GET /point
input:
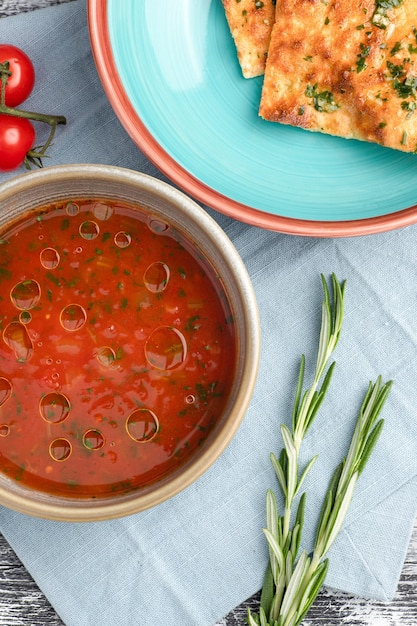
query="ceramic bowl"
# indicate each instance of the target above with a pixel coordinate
(160, 204)
(173, 79)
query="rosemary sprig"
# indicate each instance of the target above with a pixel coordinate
(293, 580)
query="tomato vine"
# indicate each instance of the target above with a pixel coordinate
(17, 135)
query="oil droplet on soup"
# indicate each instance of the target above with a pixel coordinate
(25, 317)
(16, 336)
(26, 294)
(122, 239)
(72, 208)
(49, 258)
(166, 348)
(60, 449)
(4, 430)
(73, 317)
(106, 356)
(5, 390)
(142, 425)
(89, 230)
(118, 349)
(54, 407)
(93, 439)
(102, 210)
(156, 277)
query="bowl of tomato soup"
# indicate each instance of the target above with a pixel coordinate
(129, 342)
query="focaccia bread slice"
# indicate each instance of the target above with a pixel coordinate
(345, 67)
(250, 23)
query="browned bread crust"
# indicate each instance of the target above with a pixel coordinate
(346, 68)
(250, 23)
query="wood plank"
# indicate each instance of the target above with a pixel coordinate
(13, 7)
(23, 604)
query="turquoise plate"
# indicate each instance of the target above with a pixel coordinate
(170, 71)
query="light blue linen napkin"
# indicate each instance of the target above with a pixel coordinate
(190, 560)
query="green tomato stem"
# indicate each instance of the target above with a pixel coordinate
(35, 155)
(52, 120)
(5, 74)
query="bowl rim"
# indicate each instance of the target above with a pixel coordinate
(116, 94)
(62, 509)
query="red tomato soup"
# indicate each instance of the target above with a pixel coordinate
(117, 349)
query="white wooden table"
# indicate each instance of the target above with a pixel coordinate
(23, 604)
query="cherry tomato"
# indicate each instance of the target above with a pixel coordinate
(17, 136)
(20, 83)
